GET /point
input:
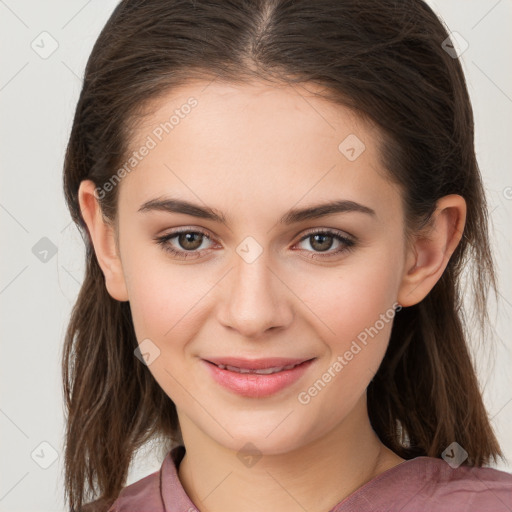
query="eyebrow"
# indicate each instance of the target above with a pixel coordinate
(291, 217)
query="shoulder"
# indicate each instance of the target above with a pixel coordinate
(434, 483)
(99, 505)
(429, 483)
(441, 472)
(148, 493)
(144, 492)
(141, 495)
(469, 488)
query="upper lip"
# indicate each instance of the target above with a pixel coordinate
(256, 364)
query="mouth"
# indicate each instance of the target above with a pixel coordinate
(265, 371)
(256, 378)
(269, 363)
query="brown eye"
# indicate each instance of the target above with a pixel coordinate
(321, 242)
(190, 241)
(185, 243)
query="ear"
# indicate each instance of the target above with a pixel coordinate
(102, 236)
(428, 257)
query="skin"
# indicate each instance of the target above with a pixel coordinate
(253, 152)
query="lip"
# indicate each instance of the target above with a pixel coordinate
(252, 384)
(255, 364)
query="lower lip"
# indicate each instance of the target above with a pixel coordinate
(257, 385)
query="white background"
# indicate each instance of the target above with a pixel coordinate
(37, 101)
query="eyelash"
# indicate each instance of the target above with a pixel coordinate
(349, 243)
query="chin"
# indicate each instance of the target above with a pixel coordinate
(262, 439)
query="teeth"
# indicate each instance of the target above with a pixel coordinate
(235, 369)
(262, 371)
(266, 371)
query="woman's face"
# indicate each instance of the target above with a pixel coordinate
(260, 284)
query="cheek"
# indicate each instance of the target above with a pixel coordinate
(350, 299)
(164, 302)
(165, 297)
(353, 313)
(359, 326)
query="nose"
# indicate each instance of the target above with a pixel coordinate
(255, 299)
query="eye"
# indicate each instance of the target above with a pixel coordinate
(189, 240)
(321, 240)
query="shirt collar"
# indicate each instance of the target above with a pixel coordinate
(174, 497)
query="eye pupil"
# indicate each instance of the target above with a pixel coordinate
(323, 246)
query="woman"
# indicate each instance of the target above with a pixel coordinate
(278, 199)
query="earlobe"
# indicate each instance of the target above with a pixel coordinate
(428, 257)
(102, 237)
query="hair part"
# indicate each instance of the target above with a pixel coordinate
(381, 58)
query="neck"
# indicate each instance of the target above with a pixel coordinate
(313, 477)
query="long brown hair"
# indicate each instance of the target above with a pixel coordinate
(382, 58)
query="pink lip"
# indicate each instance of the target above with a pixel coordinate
(254, 364)
(253, 384)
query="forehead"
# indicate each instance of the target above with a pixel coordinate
(215, 140)
(251, 106)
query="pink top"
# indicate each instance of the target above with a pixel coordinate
(419, 484)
